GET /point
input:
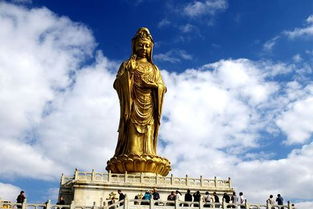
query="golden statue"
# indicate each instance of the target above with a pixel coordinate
(140, 89)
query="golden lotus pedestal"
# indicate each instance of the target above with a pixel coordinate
(139, 164)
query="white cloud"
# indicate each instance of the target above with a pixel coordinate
(173, 56)
(38, 53)
(297, 58)
(164, 22)
(297, 121)
(304, 31)
(57, 115)
(9, 192)
(268, 45)
(207, 7)
(304, 205)
(187, 28)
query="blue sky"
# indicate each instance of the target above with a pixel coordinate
(239, 77)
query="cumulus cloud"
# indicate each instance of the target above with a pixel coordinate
(298, 131)
(58, 113)
(39, 52)
(173, 56)
(208, 7)
(8, 192)
(307, 30)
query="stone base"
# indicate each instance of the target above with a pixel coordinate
(95, 188)
(138, 164)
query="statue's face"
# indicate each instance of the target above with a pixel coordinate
(143, 48)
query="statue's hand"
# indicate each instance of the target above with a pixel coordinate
(132, 63)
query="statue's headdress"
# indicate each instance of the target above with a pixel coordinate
(143, 34)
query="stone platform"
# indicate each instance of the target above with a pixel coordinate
(94, 188)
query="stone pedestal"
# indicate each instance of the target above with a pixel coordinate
(94, 188)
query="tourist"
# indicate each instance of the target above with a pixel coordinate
(271, 202)
(226, 199)
(61, 202)
(242, 200)
(196, 198)
(20, 198)
(171, 197)
(178, 195)
(207, 199)
(216, 200)
(234, 199)
(155, 196)
(280, 200)
(188, 198)
(121, 197)
(147, 198)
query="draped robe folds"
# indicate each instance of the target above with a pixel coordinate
(140, 109)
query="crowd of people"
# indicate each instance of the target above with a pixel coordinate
(189, 199)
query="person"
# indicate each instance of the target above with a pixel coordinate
(178, 195)
(188, 197)
(20, 198)
(141, 89)
(271, 202)
(216, 200)
(138, 197)
(234, 200)
(155, 195)
(61, 201)
(196, 198)
(121, 197)
(147, 197)
(226, 199)
(242, 200)
(280, 200)
(171, 197)
(207, 199)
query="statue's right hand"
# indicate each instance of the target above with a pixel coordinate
(132, 64)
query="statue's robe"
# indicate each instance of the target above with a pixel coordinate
(141, 93)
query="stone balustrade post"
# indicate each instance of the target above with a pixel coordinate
(200, 204)
(76, 174)
(201, 181)
(247, 204)
(215, 181)
(62, 179)
(72, 206)
(125, 177)
(268, 205)
(224, 204)
(176, 204)
(289, 205)
(141, 177)
(93, 174)
(151, 203)
(24, 204)
(109, 176)
(186, 180)
(48, 204)
(172, 179)
(229, 182)
(126, 203)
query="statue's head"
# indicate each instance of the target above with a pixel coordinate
(142, 44)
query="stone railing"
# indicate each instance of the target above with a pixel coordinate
(142, 178)
(144, 204)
